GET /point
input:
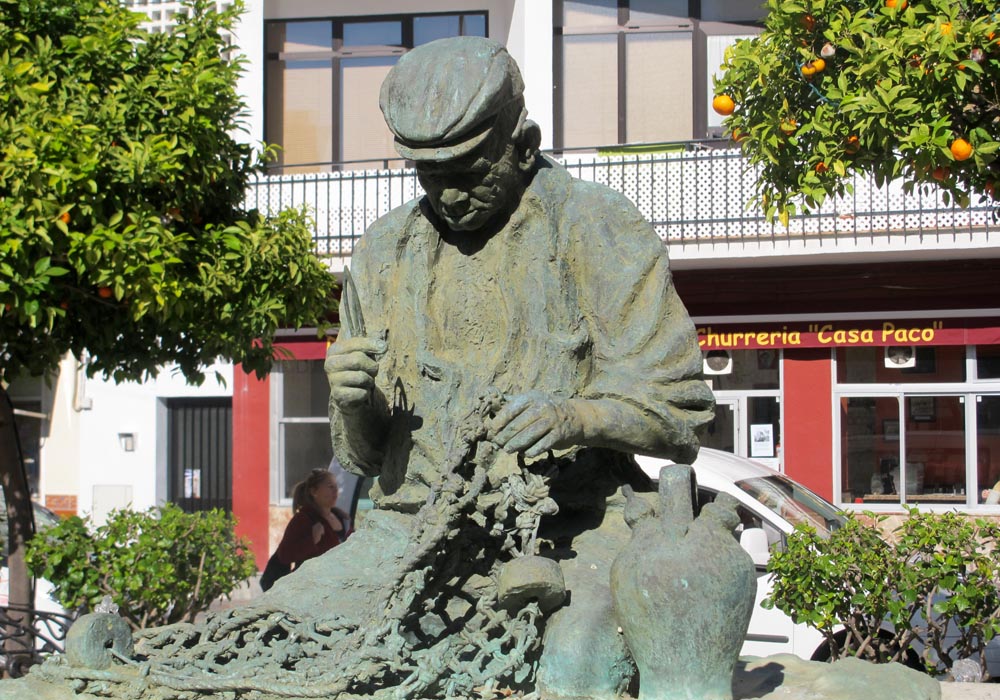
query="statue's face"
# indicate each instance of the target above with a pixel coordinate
(470, 191)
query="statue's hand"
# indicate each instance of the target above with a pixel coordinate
(351, 367)
(535, 422)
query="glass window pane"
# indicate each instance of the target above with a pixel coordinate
(474, 25)
(643, 12)
(590, 13)
(305, 446)
(988, 361)
(869, 450)
(935, 450)
(720, 434)
(903, 364)
(658, 81)
(590, 90)
(373, 33)
(988, 454)
(306, 390)
(363, 133)
(427, 29)
(299, 110)
(299, 37)
(750, 369)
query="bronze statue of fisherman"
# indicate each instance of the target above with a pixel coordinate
(510, 339)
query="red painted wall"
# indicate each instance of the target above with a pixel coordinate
(251, 460)
(252, 448)
(808, 440)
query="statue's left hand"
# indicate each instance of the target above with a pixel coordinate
(535, 422)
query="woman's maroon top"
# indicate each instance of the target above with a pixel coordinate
(297, 543)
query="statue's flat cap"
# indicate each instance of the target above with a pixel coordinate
(442, 98)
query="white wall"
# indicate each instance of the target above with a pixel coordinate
(530, 43)
(249, 37)
(82, 455)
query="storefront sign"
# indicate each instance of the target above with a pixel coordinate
(850, 333)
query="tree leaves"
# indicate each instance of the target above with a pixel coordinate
(124, 233)
(934, 583)
(905, 81)
(160, 566)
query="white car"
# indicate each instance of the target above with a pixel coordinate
(773, 504)
(771, 501)
(43, 600)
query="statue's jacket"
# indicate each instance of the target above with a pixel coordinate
(572, 297)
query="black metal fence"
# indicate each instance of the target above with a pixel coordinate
(693, 197)
(27, 636)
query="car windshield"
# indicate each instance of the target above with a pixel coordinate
(793, 502)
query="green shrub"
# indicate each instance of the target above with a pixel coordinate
(934, 586)
(159, 566)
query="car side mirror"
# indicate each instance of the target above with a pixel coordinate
(754, 542)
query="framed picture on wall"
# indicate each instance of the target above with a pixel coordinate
(923, 409)
(890, 430)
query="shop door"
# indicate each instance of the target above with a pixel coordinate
(724, 432)
(762, 430)
(748, 426)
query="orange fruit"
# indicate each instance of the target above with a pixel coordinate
(723, 104)
(810, 68)
(821, 168)
(961, 149)
(897, 4)
(104, 292)
(64, 217)
(852, 145)
(808, 22)
(940, 173)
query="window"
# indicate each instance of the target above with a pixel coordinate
(914, 429)
(621, 70)
(640, 71)
(299, 397)
(323, 77)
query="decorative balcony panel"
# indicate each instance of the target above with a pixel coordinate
(693, 198)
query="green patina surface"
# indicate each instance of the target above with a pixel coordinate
(510, 339)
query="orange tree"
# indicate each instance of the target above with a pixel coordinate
(891, 88)
(123, 235)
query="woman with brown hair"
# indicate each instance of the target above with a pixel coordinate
(316, 527)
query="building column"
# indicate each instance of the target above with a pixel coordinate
(807, 396)
(251, 461)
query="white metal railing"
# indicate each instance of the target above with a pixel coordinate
(691, 197)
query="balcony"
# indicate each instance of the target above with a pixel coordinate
(696, 198)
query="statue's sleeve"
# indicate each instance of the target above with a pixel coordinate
(647, 363)
(358, 440)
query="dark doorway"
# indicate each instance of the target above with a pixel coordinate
(200, 453)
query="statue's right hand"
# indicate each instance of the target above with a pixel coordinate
(351, 366)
